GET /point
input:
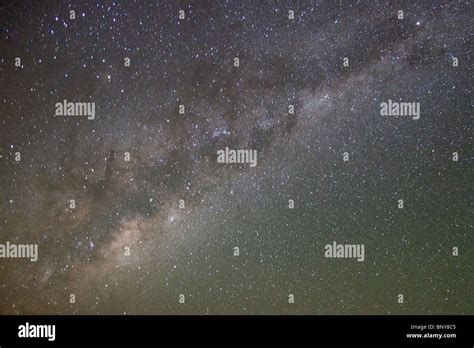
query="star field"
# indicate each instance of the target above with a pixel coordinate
(166, 222)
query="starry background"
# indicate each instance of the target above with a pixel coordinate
(190, 251)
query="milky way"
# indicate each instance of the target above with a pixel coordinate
(163, 225)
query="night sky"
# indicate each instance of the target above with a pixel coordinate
(134, 205)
